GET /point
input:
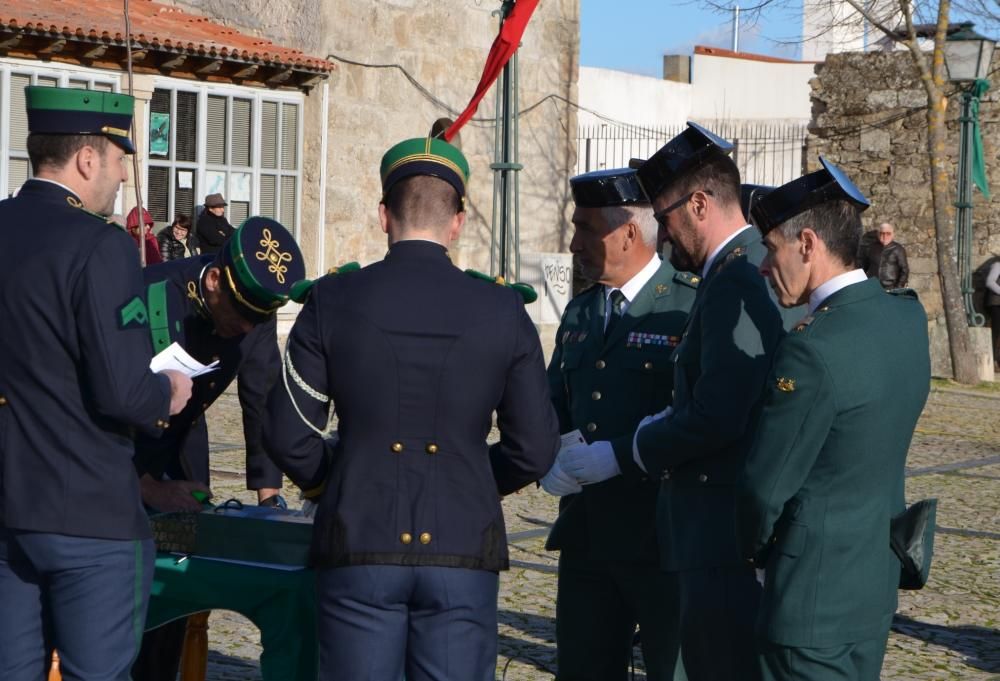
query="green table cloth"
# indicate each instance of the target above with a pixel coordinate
(281, 603)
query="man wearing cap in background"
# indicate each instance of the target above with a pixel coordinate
(212, 226)
(218, 308)
(825, 474)
(415, 356)
(76, 553)
(610, 368)
(720, 366)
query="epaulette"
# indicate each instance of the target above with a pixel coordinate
(904, 292)
(687, 278)
(78, 204)
(300, 289)
(801, 326)
(526, 291)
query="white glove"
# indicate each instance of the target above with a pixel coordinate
(646, 420)
(309, 508)
(590, 463)
(558, 482)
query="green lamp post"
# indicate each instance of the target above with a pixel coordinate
(967, 57)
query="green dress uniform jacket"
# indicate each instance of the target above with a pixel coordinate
(721, 365)
(604, 388)
(825, 474)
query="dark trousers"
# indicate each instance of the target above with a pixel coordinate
(159, 656)
(598, 606)
(995, 330)
(377, 622)
(84, 597)
(859, 661)
(718, 613)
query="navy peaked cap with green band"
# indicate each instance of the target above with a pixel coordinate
(603, 188)
(425, 156)
(683, 154)
(70, 111)
(260, 265)
(829, 183)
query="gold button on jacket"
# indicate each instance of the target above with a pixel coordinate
(432, 448)
(406, 537)
(397, 447)
(425, 538)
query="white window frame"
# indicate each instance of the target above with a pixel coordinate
(63, 75)
(202, 167)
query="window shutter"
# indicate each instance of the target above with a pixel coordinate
(48, 81)
(241, 132)
(78, 84)
(238, 212)
(269, 134)
(215, 134)
(288, 203)
(158, 193)
(289, 136)
(18, 115)
(103, 87)
(17, 174)
(268, 196)
(186, 127)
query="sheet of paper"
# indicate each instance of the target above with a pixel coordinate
(574, 437)
(176, 358)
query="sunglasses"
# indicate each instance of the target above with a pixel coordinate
(661, 215)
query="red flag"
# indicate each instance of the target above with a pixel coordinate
(503, 49)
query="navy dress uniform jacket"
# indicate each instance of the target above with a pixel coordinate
(182, 451)
(74, 369)
(416, 356)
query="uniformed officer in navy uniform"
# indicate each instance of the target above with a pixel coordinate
(76, 554)
(218, 308)
(415, 356)
(825, 475)
(610, 368)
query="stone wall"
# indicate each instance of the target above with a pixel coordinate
(869, 117)
(443, 46)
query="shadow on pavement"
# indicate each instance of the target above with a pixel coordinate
(979, 645)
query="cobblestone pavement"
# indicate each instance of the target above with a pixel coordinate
(949, 630)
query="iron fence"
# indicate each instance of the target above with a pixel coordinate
(766, 153)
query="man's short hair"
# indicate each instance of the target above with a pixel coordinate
(836, 223)
(49, 150)
(718, 174)
(423, 202)
(640, 214)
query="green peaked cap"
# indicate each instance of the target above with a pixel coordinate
(425, 156)
(71, 111)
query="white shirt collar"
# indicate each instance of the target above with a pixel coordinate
(710, 260)
(831, 286)
(632, 287)
(58, 184)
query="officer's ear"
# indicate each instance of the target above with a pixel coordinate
(88, 161)
(455, 228)
(383, 217)
(808, 242)
(213, 279)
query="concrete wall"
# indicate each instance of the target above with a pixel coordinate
(878, 135)
(633, 99)
(729, 89)
(443, 46)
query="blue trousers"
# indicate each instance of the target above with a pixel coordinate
(84, 597)
(377, 622)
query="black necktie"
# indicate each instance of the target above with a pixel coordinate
(617, 301)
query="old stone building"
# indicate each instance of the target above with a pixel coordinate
(869, 117)
(401, 65)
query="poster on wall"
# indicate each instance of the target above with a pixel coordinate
(185, 179)
(240, 187)
(215, 183)
(159, 134)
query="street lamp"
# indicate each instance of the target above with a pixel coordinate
(967, 57)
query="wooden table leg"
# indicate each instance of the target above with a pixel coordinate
(54, 673)
(194, 655)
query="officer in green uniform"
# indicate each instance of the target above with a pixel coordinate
(611, 367)
(720, 366)
(825, 474)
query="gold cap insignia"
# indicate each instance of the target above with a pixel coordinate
(786, 385)
(275, 258)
